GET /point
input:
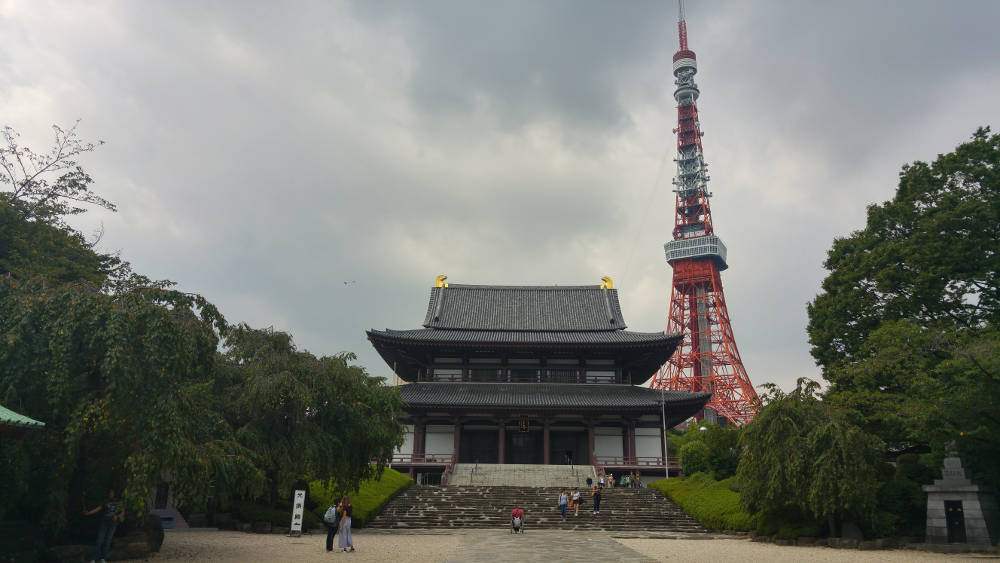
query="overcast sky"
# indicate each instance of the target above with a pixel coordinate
(313, 166)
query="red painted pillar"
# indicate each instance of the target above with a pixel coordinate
(501, 440)
(458, 436)
(546, 443)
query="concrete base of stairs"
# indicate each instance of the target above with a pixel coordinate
(521, 475)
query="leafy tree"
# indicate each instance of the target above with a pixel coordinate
(694, 457)
(804, 454)
(123, 383)
(906, 326)
(301, 414)
(47, 187)
(930, 254)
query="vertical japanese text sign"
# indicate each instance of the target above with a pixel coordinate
(298, 505)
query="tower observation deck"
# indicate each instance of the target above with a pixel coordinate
(707, 359)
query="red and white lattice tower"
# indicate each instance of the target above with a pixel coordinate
(707, 359)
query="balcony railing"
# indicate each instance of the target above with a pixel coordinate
(629, 461)
(423, 459)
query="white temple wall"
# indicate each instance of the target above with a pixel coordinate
(608, 440)
(648, 442)
(440, 439)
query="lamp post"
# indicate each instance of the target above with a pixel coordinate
(663, 418)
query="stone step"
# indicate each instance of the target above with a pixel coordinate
(460, 506)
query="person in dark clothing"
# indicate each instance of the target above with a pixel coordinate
(331, 528)
(112, 513)
(596, 493)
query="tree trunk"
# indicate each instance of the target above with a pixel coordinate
(831, 522)
(272, 483)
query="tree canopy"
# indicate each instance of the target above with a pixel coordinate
(906, 328)
(801, 453)
(129, 378)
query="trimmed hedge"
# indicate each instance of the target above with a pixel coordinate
(367, 501)
(712, 503)
(280, 517)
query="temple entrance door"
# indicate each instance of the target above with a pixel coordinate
(523, 447)
(569, 445)
(478, 446)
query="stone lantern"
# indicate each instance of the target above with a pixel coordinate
(960, 511)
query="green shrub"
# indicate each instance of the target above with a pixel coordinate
(278, 517)
(712, 503)
(367, 501)
(694, 457)
(787, 523)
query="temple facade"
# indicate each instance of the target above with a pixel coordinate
(531, 374)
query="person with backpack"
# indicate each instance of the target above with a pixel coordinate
(563, 501)
(576, 502)
(332, 520)
(113, 513)
(346, 541)
(516, 520)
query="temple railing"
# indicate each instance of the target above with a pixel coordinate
(423, 459)
(604, 461)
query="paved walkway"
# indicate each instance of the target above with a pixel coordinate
(493, 546)
(489, 546)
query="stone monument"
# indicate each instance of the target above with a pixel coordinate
(960, 511)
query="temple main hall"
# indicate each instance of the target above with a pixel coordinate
(531, 375)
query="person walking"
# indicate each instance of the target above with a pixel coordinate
(596, 494)
(332, 520)
(576, 502)
(601, 481)
(113, 513)
(563, 499)
(346, 542)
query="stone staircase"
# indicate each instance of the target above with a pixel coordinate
(461, 506)
(520, 475)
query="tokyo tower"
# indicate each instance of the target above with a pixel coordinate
(707, 359)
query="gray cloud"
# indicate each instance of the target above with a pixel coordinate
(263, 156)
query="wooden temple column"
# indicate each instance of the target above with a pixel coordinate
(419, 435)
(546, 442)
(501, 439)
(458, 435)
(590, 442)
(630, 438)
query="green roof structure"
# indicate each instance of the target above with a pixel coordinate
(11, 418)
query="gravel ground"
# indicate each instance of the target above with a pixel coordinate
(226, 547)
(745, 550)
(492, 545)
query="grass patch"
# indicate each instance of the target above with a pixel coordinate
(712, 503)
(368, 500)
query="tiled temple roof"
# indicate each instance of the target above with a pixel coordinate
(487, 320)
(11, 418)
(524, 308)
(527, 337)
(564, 397)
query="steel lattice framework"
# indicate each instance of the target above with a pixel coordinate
(707, 359)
